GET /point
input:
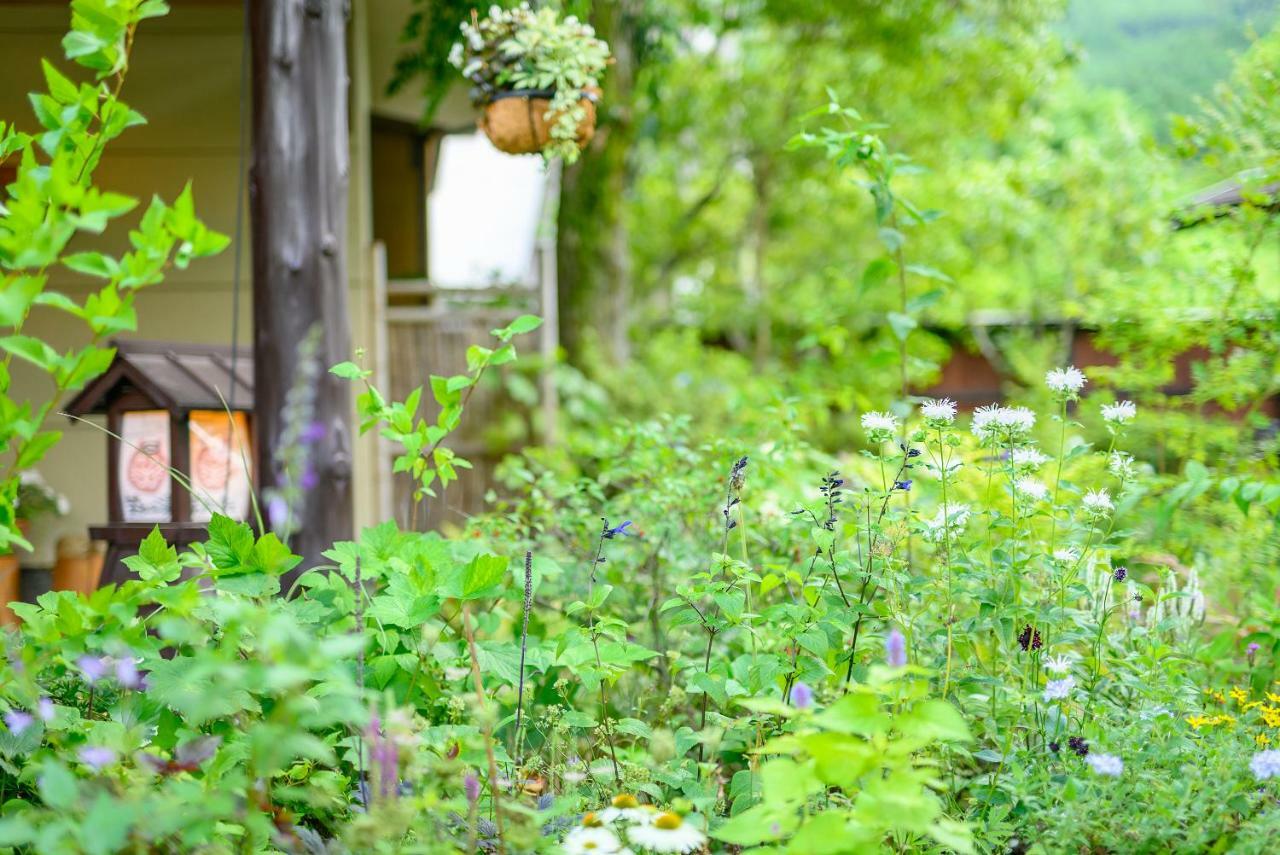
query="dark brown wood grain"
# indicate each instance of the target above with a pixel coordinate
(298, 204)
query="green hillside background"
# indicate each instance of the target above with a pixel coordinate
(1163, 53)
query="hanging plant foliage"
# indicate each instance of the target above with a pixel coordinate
(535, 76)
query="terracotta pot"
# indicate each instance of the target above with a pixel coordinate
(79, 565)
(11, 581)
(516, 121)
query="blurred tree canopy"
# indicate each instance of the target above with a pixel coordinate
(698, 254)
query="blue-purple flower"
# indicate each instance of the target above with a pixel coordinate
(895, 648)
(127, 673)
(92, 668)
(801, 696)
(471, 786)
(96, 757)
(1105, 764)
(618, 531)
(17, 721)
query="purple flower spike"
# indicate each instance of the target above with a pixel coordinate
(902, 485)
(277, 513)
(471, 786)
(801, 696)
(895, 648)
(17, 721)
(313, 433)
(92, 668)
(97, 756)
(309, 479)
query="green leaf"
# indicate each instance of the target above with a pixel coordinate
(902, 325)
(32, 350)
(58, 786)
(520, 326)
(349, 371)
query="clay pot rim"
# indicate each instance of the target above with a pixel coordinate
(546, 94)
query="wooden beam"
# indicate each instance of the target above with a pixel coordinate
(298, 190)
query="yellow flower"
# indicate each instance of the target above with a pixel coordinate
(1199, 721)
(1218, 696)
(1273, 697)
(1262, 739)
(1271, 715)
(1251, 705)
(1239, 695)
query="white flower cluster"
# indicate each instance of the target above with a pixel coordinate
(1059, 664)
(1028, 457)
(1098, 503)
(995, 422)
(879, 425)
(1265, 764)
(1031, 489)
(947, 521)
(1105, 764)
(939, 412)
(1059, 690)
(1121, 465)
(1119, 413)
(1066, 382)
(627, 821)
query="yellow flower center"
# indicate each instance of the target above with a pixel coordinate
(590, 820)
(668, 821)
(626, 800)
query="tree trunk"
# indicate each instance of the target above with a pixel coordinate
(298, 197)
(593, 259)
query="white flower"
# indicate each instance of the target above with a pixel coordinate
(1265, 764)
(1098, 502)
(1065, 381)
(879, 423)
(1031, 488)
(1106, 764)
(1028, 458)
(1057, 664)
(939, 411)
(1121, 465)
(668, 833)
(1121, 412)
(627, 808)
(1016, 420)
(984, 421)
(1067, 555)
(955, 517)
(595, 840)
(1057, 690)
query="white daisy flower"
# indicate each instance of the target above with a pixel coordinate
(591, 840)
(1032, 489)
(1057, 690)
(940, 412)
(668, 833)
(879, 423)
(1059, 664)
(1106, 764)
(1028, 458)
(1067, 555)
(1065, 381)
(1119, 413)
(1098, 502)
(625, 808)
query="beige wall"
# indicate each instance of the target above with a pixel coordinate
(185, 79)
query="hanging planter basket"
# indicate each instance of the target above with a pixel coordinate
(516, 121)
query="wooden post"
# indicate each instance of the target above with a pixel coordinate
(298, 198)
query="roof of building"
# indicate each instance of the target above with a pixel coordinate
(176, 375)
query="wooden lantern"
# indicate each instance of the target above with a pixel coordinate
(180, 443)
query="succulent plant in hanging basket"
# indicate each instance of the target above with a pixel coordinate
(536, 77)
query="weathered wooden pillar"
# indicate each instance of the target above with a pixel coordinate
(298, 197)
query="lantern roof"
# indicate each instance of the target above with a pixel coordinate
(176, 375)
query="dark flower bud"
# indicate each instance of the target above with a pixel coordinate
(1120, 573)
(1055, 747)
